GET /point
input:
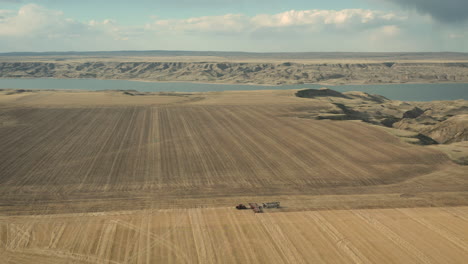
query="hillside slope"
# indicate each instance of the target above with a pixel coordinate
(239, 72)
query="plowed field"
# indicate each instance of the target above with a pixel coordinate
(116, 181)
(223, 235)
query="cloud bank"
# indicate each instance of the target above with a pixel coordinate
(312, 20)
(35, 20)
(35, 28)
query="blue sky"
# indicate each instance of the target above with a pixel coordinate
(241, 25)
(138, 11)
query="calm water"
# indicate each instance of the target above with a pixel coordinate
(404, 92)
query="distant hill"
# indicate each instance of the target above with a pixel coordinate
(272, 55)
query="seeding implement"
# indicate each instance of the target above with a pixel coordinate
(258, 208)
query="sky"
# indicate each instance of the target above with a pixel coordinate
(234, 25)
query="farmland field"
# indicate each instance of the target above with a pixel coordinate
(104, 177)
(223, 235)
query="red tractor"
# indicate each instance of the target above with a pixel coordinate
(241, 207)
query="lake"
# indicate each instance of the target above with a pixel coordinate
(404, 92)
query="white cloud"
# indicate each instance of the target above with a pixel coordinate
(313, 19)
(35, 28)
(36, 22)
(217, 24)
(347, 17)
(32, 19)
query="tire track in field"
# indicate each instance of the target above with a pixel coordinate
(25, 117)
(341, 149)
(283, 245)
(207, 135)
(104, 243)
(243, 243)
(398, 148)
(101, 149)
(131, 153)
(336, 163)
(299, 232)
(349, 143)
(197, 160)
(139, 167)
(118, 155)
(203, 242)
(457, 212)
(224, 246)
(66, 149)
(72, 145)
(104, 173)
(154, 172)
(224, 150)
(56, 236)
(65, 255)
(65, 140)
(324, 132)
(441, 232)
(318, 143)
(339, 239)
(83, 145)
(170, 165)
(291, 153)
(236, 137)
(347, 136)
(30, 152)
(20, 237)
(153, 239)
(265, 150)
(207, 164)
(399, 152)
(220, 144)
(388, 233)
(128, 160)
(387, 142)
(185, 153)
(326, 129)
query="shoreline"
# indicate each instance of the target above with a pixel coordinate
(356, 83)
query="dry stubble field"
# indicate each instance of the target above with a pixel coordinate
(104, 177)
